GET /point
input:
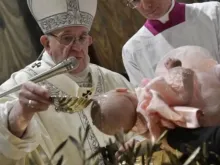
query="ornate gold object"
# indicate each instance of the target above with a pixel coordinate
(70, 104)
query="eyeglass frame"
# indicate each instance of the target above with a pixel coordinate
(130, 3)
(74, 40)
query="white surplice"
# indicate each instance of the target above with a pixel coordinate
(49, 128)
(197, 24)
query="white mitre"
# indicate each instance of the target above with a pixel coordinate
(55, 14)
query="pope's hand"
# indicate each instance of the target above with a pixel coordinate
(32, 98)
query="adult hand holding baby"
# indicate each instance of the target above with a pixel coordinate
(156, 123)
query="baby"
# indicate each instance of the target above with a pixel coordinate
(122, 109)
(177, 95)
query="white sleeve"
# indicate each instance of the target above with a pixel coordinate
(11, 147)
(123, 82)
(217, 24)
(132, 69)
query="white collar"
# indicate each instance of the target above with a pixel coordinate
(165, 17)
(47, 58)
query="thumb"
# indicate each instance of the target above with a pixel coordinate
(154, 126)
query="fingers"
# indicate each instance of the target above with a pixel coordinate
(167, 124)
(125, 147)
(121, 90)
(33, 97)
(34, 105)
(154, 127)
(157, 125)
(144, 82)
(36, 89)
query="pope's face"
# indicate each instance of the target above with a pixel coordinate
(68, 42)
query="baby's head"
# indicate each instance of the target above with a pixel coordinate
(114, 111)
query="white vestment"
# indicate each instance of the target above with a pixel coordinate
(49, 128)
(200, 26)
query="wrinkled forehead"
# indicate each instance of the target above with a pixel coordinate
(192, 57)
(74, 30)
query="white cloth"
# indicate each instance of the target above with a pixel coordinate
(144, 50)
(48, 129)
(165, 17)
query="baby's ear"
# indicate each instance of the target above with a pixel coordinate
(95, 111)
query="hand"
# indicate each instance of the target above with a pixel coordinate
(157, 125)
(32, 98)
(125, 147)
(122, 90)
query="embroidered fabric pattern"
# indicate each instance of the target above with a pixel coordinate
(93, 142)
(72, 16)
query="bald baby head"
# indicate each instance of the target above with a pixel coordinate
(114, 111)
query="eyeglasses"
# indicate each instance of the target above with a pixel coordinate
(67, 39)
(133, 3)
